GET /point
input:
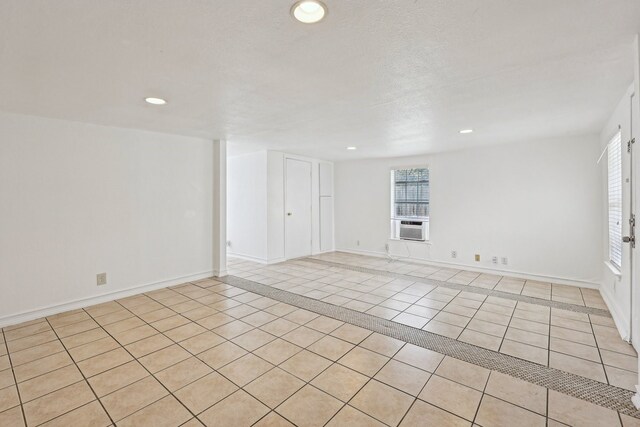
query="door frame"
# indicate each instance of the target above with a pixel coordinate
(634, 197)
(284, 207)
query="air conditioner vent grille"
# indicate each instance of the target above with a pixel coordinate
(412, 230)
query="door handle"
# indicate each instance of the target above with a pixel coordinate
(631, 238)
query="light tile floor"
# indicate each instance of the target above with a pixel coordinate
(209, 353)
(585, 344)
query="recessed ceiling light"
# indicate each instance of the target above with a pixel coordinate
(351, 148)
(309, 11)
(155, 101)
(466, 131)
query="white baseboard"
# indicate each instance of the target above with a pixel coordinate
(247, 257)
(14, 319)
(500, 272)
(268, 261)
(636, 398)
(256, 259)
(323, 252)
(622, 324)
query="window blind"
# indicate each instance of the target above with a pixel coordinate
(614, 187)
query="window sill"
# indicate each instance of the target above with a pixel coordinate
(411, 218)
(615, 270)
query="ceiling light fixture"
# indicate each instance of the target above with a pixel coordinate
(466, 131)
(351, 148)
(155, 101)
(309, 11)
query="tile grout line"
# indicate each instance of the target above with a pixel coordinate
(546, 391)
(371, 378)
(511, 317)
(144, 367)
(307, 350)
(229, 363)
(429, 403)
(230, 340)
(484, 393)
(81, 373)
(178, 344)
(120, 346)
(333, 362)
(459, 270)
(309, 383)
(428, 319)
(405, 311)
(446, 283)
(450, 302)
(155, 351)
(504, 337)
(604, 370)
(400, 311)
(15, 380)
(468, 288)
(277, 317)
(574, 385)
(278, 367)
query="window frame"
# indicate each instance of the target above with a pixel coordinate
(392, 193)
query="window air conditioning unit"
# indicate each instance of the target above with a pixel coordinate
(413, 230)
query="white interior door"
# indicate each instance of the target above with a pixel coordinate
(297, 226)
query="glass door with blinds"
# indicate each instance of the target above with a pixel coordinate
(621, 217)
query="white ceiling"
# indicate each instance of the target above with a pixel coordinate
(390, 77)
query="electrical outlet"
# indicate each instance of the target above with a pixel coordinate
(477, 257)
(505, 261)
(101, 279)
(494, 260)
(358, 243)
(386, 247)
(228, 243)
(454, 254)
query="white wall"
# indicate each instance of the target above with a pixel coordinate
(247, 205)
(275, 206)
(327, 237)
(535, 203)
(257, 183)
(79, 199)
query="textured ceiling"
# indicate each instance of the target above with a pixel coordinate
(390, 77)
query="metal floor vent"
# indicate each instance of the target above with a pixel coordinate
(467, 288)
(605, 395)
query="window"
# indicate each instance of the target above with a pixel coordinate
(614, 187)
(410, 198)
(410, 193)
